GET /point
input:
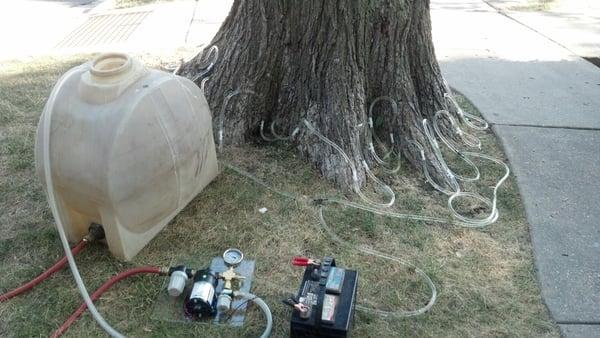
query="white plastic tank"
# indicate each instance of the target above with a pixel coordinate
(129, 148)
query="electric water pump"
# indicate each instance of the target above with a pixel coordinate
(205, 300)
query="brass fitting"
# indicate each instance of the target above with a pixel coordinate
(229, 277)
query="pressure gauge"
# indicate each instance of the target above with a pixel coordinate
(233, 257)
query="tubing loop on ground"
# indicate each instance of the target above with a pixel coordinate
(465, 117)
(372, 252)
(466, 221)
(453, 146)
(494, 214)
(368, 251)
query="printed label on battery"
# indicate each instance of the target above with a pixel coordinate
(330, 303)
(335, 280)
(309, 293)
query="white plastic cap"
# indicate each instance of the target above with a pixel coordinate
(177, 283)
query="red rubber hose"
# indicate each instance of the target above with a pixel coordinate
(107, 285)
(37, 280)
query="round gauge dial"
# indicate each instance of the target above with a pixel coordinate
(233, 256)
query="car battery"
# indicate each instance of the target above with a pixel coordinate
(324, 305)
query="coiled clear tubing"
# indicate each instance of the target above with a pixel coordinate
(361, 249)
(456, 193)
(451, 187)
(470, 120)
(372, 252)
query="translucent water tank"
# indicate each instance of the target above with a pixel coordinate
(129, 148)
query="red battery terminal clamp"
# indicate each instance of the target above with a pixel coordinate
(305, 261)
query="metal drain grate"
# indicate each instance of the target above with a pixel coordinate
(104, 29)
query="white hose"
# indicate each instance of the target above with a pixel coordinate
(47, 119)
(203, 85)
(263, 306)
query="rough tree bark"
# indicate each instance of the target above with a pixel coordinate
(326, 61)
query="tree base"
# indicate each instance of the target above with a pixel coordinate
(325, 62)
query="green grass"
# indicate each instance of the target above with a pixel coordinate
(485, 278)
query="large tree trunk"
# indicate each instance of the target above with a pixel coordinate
(326, 61)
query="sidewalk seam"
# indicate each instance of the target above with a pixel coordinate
(505, 14)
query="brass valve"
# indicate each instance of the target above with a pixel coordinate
(229, 277)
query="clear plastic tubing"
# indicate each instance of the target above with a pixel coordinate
(214, 50)
(362, 249)
(222, 113)
(378, 159)
(276, 136)
(203, 84)
(262, 132)
(385, 256)
(58, 217)
(453, 194)
(457, 193)
(379, 208)
(465, 117)
(356, 185)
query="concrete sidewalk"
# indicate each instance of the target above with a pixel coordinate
(47, 27)
(32, 28)
(574, 24)
(544, 104)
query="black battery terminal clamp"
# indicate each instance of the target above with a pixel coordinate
(324, 305)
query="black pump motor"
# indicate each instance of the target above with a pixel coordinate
(202, 301)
